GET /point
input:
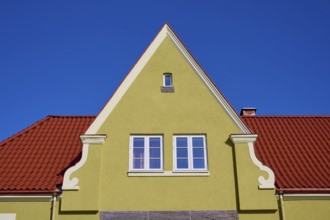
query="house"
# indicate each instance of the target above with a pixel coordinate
(167, 145)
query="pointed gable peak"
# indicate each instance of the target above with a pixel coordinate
(166, 31)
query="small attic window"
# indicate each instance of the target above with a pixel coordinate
(167, 83)
(167, 79)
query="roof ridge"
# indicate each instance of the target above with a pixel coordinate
(35, 124)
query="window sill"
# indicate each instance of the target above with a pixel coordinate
(167, 89)
(170, 173)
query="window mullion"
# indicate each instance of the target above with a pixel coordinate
(205, 156)
(146, 153)
(131, 153)
(175, 156)
(190, 153)
(161, 153)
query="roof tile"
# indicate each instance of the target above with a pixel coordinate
(30, 161)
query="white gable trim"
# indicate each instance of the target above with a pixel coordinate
(127, 82)
(165, 31)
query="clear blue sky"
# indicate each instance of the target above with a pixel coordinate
(68, 57)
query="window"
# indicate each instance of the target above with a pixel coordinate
(167, 83)
(167, 80)
(190, 153)
(146, 153)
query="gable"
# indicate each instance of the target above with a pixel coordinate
(190, 104)
(166, 34)
(145, 110)
(140, 110)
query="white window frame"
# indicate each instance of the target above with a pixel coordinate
(164, 77)
(146, 153)
(190, 154)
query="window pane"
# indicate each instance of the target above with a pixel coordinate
(198, 152)
(199, 164)
(154, 164)
(198, 142)
(138, 152)
(138, 142)
(182, 152)
(154, 142)
(138, 163)
(154, 152)
(182, 163)
(181, 142)
(168, 80)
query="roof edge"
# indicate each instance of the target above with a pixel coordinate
(35, 124)
(303, 190)
(286, 116)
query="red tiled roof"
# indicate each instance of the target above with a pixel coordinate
(297, 149)
(35, 159)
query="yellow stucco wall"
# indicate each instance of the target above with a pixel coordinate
(32, 209)
(144, 109)
(87, 199)
(191, 109)
(307, 210)
(250, 196)
(27, 209)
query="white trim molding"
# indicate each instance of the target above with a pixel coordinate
(92, 139)
(169, 173)
(25, 198)
(250, 139)
(294, 196)
(7, 216)
(72, 183)
(166, 31)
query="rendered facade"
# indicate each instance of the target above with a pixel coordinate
(167, 145)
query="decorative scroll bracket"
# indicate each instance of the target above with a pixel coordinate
(87, 139)
(250, 139)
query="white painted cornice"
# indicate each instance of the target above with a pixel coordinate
(314, 196)
(92, 139)
(243, 138)
(250, 139)
(25, 198)
(71, 183)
